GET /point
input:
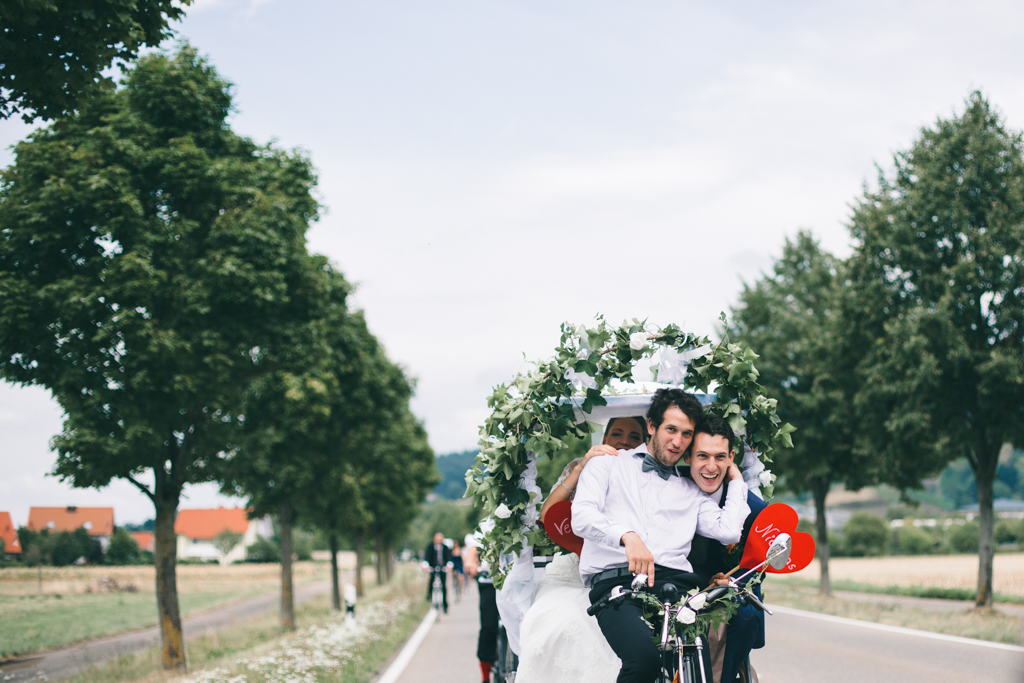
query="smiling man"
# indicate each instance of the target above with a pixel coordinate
(709, 461)
(636, 514)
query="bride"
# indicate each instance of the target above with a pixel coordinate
(559, 641)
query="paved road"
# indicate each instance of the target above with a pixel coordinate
(56, 664)
(804, 649)
(448, 652)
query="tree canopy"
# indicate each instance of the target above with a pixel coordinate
(939, 270)
(149, 260)
(54, 54)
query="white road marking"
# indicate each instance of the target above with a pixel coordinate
(405, 656)
(895, 629)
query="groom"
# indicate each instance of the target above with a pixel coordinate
(637, 515)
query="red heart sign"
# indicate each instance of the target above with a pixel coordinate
(775, 519)
(558, 524)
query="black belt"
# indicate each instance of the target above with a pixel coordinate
(609, 574)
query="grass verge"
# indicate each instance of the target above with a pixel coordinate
(993, 626)
(72, 607)
(942, 593)
(257, 651)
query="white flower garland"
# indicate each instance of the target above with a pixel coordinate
(534, 415)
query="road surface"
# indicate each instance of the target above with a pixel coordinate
(802, 648)
(56, 664)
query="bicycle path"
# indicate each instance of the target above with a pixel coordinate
(56, 664)
(447, 653)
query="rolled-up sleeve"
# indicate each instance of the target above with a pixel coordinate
(588, 519)
(724, 524)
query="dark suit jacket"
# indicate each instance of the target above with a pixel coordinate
(709, 557)
(430, 556)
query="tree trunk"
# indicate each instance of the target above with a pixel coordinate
(389, 565)
(166, 558)
(984, 475)
(360, 556)
(381, 572)
(335, 589)
(285, 519)
(821, 487)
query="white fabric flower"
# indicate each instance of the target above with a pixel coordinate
(580, 379)
(503, 512)
(697, 601)
(685, 615)
(765, 478)
(487, 525)
(583, 353)
(637, 340)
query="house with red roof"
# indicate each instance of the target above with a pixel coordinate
(197, 532)
(9, 535)
(145, 539)
(99, 522)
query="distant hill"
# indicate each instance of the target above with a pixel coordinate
(452, 468)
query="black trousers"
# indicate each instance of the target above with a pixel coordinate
(623, 627)
(487, 643)
(444, 588)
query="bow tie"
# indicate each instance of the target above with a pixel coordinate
(664, 471)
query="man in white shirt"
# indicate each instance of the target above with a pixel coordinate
(637, 515)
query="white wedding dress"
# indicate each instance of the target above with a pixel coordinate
(560, 642)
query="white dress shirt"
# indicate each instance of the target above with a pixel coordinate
(615, 496)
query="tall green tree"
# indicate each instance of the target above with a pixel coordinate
(287, 417)
(149, 258)
(793, 319)
(939, 266)
(54, 54)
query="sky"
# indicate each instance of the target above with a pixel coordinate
(491, 169)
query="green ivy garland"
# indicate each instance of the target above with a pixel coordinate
(533, 414)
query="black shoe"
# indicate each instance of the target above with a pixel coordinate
(446, 609)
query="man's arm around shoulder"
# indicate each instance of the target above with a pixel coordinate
(589, 521)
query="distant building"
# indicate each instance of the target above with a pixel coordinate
(145, 539)
(9, 534)
(99, 522)
(197, 532)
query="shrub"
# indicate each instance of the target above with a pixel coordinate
(865, 534)
(1009, 531)
(964, 539)
(123, 549)
(263, 550)
(914, 541)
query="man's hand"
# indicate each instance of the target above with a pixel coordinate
(641, 561)
(720, 579)
(734, 473)
(595, 451)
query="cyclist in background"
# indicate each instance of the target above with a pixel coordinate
(437, 554)
(487, 642)
(458, 570)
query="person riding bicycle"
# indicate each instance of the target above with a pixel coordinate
(438, 556)
(708, 461)
(637, 515)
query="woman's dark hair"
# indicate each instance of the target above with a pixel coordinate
(666, 398)
(639, 420)
(713, 425)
